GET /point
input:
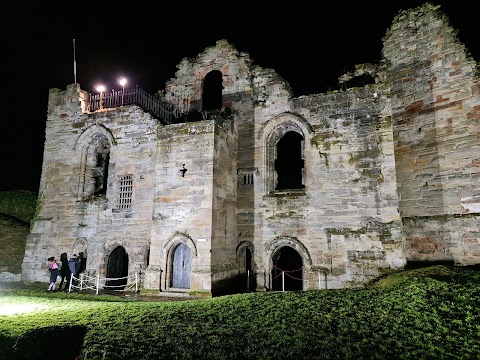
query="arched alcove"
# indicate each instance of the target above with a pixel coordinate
(94, 145)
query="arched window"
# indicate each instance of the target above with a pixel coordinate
(284, 137)
(94, 144)
(289, 162)
(100, 170)
(212, 91)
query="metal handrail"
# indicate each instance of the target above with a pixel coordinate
(161, 109)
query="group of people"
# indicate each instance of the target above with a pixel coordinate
(67, 267)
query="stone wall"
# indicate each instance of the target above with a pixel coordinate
(183, 204)
(73, 220)
(436, 113)
(346, 223)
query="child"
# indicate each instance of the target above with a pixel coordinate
(54, 271)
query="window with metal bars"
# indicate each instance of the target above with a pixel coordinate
(125, 190)
(248, 178)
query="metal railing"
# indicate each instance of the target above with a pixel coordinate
(161, 109)
(95, 283)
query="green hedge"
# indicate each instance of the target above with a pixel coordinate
(428, 313)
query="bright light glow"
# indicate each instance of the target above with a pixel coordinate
(100, 88)
(12, 309)
(122, 81)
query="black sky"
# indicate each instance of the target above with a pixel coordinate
(309, 44)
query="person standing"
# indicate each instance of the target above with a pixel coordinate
(73, 265)
(54, 272)
(65, 272)
(82, 263)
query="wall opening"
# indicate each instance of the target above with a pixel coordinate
(117, 269)
(289, 163)
(287, 270)
(125, 192)
(247, 278)
(212, 91)
(100, 170)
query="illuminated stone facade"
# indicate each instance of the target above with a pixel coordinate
(322, 191)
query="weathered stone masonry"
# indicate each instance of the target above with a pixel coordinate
(372, 176)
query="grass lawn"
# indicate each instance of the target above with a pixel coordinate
(427, 313)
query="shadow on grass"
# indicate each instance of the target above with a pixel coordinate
(63, 342)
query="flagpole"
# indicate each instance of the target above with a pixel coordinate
(74, 64)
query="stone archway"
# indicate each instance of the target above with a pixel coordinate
(171, 247)
(289, 255)
(94, 145)
(117, 269)
(282, 136)
(287, 270)
(245, 263)
(181, 266)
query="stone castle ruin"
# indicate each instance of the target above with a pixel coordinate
(228, 183)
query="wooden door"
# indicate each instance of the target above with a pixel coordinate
(182, 265)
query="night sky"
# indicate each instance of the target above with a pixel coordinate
(310, 44)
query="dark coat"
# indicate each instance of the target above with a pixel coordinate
(65, 270)
(73, 265)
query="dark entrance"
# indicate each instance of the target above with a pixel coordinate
(182, 264)
(250, 277)
(117, 269)
(287, 261)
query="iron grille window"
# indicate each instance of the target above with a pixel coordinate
(248, 179)
(125, 190)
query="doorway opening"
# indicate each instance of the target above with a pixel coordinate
(117, 269)
(181, 266)
(287, 270)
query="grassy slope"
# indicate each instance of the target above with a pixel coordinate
(416, 314)
(424, 313)
(18, 204)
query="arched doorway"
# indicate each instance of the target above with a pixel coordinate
(117, 269)
(181, 266)
(248, 281)
(287, 270)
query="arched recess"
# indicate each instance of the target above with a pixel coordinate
(117, 269)
(244, 256)
(94, 146)
(284, 136)
(80, 245)
(146, 256)
(290, 256)
(212, 91)
(180, 251)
